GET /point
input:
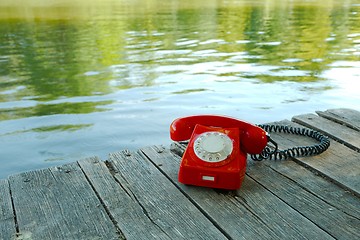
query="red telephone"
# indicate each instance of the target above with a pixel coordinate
(217, 150)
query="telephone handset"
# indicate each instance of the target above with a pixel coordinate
(217, 150)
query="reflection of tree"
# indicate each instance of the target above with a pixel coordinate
(233, 22)
(52, 60)
(52, 109)
(297, 32)
(118, 47)
(285, 35)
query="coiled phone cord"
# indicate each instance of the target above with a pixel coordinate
(300, 151)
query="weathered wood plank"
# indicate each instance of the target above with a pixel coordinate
(348, 117)
(59, 203)
(342, 133)
(137, 195)
(312, 205)
(253, 213)
(338, 162)
(161, 201)
(7, 218)
(120, 203)
(320, 187)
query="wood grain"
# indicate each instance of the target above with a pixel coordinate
(120, 203)
(316, 184)
(339, 132)
(314, 205)
(348, 117)
(136, 195)
(59, 203)
(7, 218)
(339, 163)
(162, 201)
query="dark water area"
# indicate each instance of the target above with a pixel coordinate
(84, 78)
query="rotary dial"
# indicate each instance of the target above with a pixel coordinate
(213, 146)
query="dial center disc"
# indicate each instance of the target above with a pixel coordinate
(213, 146)
(213, 143)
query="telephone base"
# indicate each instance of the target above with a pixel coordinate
(229, 180)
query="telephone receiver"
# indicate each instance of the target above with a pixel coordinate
(217, 150)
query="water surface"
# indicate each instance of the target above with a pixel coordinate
(83, 78)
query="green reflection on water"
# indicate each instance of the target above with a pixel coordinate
(63, 127)
(191, 91)
(68, 127)
(51, 109)
(89, 48)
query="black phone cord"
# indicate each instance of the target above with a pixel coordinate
(273, 153)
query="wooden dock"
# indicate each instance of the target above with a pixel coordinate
(136, 195)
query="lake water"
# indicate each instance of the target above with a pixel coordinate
(83, 78)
